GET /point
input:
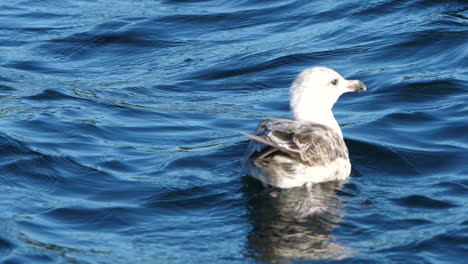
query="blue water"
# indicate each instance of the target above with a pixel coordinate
(120, 131)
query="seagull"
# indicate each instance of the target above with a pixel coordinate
(310, 149)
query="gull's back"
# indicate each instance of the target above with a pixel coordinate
(286, 153)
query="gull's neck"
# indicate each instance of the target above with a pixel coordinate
(310, 102)
(321, 115)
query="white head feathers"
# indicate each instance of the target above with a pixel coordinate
(315, 91)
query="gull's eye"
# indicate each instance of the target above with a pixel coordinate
(334, 82)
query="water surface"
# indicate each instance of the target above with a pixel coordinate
(120, 131)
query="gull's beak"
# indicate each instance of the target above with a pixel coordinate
(356, 86)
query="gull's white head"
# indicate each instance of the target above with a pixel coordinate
(315, 91)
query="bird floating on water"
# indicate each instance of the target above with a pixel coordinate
(310, 149)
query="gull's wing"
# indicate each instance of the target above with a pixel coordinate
(305, 142)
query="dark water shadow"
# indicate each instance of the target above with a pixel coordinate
(295, 224)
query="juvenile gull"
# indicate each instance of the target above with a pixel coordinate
(310, 149)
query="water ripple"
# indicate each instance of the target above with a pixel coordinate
(120, 127)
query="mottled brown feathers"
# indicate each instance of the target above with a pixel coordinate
(308, 143)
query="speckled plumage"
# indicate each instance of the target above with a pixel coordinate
(289, 153)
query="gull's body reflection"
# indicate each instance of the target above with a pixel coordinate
(296, 224)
